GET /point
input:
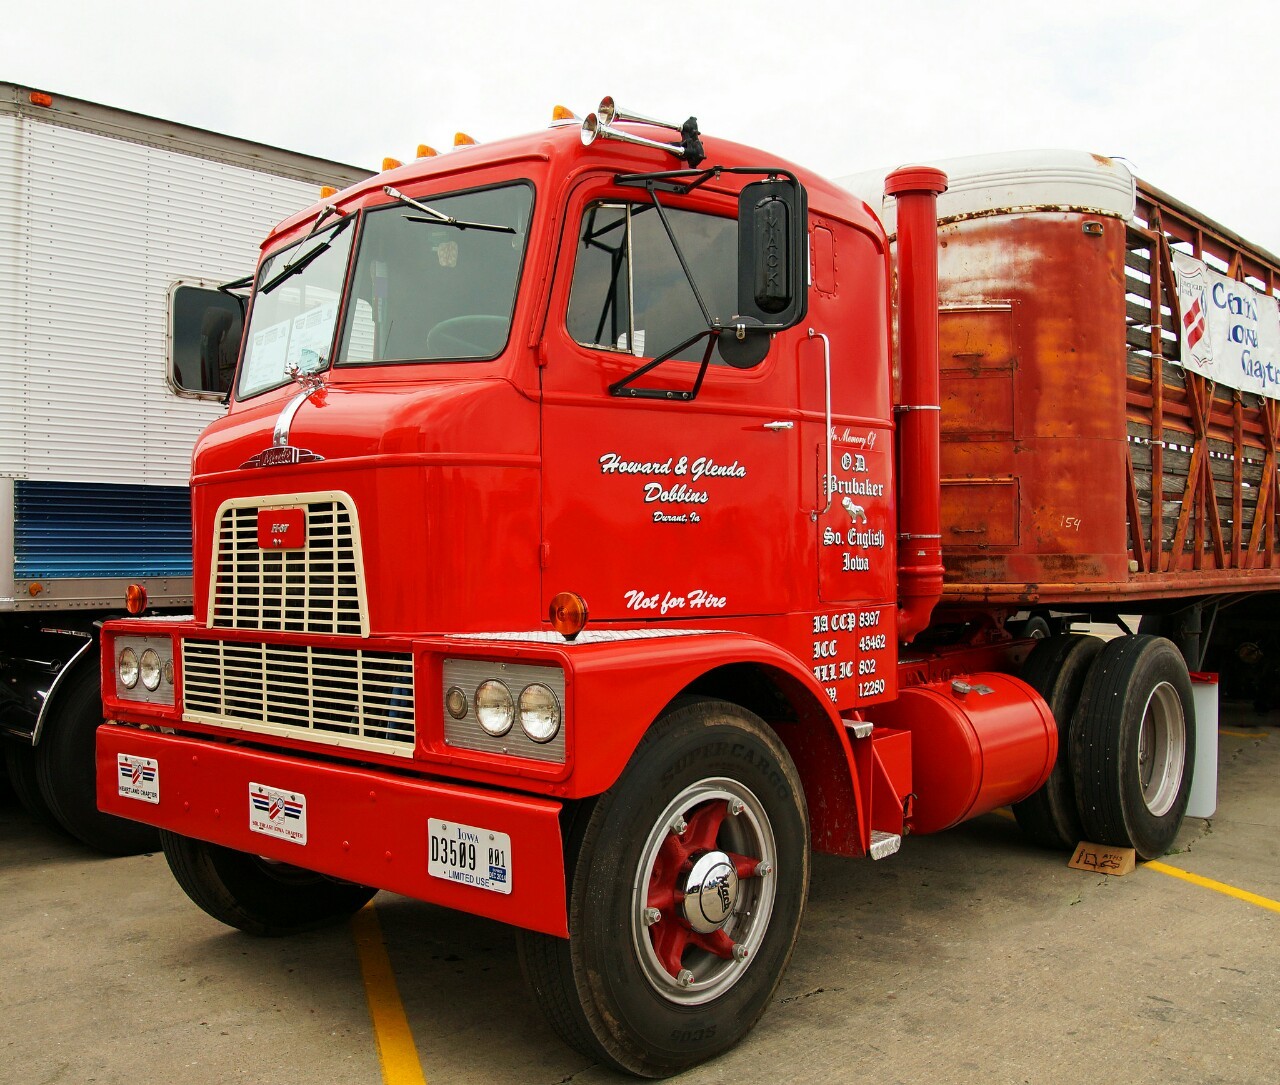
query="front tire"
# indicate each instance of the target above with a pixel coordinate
(687, 885)
(256, 895)
(1133, 745)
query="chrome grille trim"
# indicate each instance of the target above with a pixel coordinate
(318, 588)
(350, 697)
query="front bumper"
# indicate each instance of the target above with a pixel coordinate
(359, 824)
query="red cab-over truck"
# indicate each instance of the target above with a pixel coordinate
(605, 518)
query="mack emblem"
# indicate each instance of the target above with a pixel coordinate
(281, 456)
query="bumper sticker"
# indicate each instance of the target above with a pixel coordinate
(138, 778)
(277, 813)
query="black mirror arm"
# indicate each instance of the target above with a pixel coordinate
(623, 387)
(684, 265)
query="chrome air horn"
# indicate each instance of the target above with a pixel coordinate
(599, 125)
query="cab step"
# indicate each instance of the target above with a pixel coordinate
(883, 844)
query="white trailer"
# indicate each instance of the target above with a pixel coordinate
(116, 348)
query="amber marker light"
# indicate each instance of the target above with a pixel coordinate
(326, 191)
(135, 599)
(38, 97)
(568, 613)
(35, 589)
(461, 139)
(425, 151)
(391, 164)
(562, 114)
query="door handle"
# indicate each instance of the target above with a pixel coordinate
(777, 426)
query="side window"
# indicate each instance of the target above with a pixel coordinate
(629, 292)
(204, 340)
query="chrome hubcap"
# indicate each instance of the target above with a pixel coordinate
(711, 892)
(1162, 749)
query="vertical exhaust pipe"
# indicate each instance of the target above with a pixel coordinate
(916, 190)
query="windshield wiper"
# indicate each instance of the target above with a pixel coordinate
(299, 262)
(292, 268)
(439, 217)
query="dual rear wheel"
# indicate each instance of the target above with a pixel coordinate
(1126, 743)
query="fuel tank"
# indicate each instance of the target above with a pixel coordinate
(977, 743)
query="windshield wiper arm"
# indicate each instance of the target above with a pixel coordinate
(299, 262)
(292, 268)
(440, 218)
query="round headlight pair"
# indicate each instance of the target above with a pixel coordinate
(130, 668)
(538, 708)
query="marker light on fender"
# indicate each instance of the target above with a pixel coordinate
(568, 613)
(135, 599)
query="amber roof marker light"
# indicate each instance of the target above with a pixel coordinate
(568, 614)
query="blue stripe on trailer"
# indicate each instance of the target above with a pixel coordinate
(72, 529)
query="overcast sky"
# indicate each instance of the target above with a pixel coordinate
(1188, 93)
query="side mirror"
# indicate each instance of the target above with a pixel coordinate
(773, 233)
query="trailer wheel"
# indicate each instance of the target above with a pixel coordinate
(1133, 745)
(20, 761)
(257, 895)
(687, 884)
(1036, 627)
(1056, 669)
(65, 767)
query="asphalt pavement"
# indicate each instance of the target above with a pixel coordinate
(968, 957)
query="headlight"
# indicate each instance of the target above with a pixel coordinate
(145, 669)
(495, 708)
(481, 701)
(149, 668)
(539, 712)
(127, 668)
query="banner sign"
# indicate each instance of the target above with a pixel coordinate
(1230, 332)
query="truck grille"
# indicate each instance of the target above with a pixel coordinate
(345, 697)
(315, 588)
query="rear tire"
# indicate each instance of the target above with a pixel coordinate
(65, 768)
(649, 981)
(256, 895)
(1133, 745)
(1056, 669)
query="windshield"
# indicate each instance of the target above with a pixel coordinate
(425, 289)
(295, 310)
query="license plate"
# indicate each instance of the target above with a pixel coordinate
(469, 855)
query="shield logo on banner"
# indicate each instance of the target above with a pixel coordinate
(1193, 298)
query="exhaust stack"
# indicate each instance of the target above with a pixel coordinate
(916, 189)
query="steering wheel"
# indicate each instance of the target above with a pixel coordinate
(475, 336)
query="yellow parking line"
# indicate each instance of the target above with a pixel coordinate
(1243, 734)
(396, 1050)
(1217, 887)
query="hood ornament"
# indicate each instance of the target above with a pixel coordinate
(281, 453)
